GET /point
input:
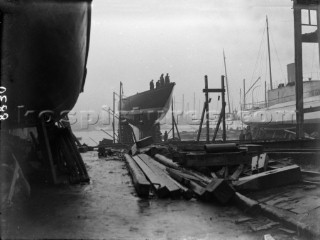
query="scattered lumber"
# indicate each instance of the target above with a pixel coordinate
(216, 190)
(186, 193)
(150, 150)
(216, 159)
(173, 190)
(273, 178)
(144, 142)
(237, 173)
(245, 203)
(140, 182)
(184, 177)
(156, 182)
(166, 161)
(220, 190)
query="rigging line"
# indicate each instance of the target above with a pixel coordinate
(254, 69)
(278, 58)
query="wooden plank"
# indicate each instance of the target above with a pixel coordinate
(246, 204)
(166, 161)
(166, 181)
(140, 182)
(216, 159)
(158, 185)
(269, 179)
(237, 173)
(144, 142)
(185, 175)
(186, 193)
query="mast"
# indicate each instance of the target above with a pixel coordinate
(270, 72)
(113, 127)
(120, 109)
(225, 73)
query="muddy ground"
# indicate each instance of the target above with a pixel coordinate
(108, 208)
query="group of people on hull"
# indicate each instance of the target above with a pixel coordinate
(161, 82)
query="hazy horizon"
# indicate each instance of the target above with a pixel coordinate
(136, 41)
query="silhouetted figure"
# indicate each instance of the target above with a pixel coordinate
(167, 79)
(158, 84)
(161, 80)
(165, 136)
(151, 85)
(241, 136)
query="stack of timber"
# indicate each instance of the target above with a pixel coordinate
(70, 162)
(139, 180)
(213, 174)
(162, 184)
(168, 179)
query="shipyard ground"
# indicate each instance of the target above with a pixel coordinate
(108, 208)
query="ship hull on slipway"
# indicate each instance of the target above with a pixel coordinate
(147, 108)
(44, 51)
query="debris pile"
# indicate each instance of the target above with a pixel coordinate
(211, 172)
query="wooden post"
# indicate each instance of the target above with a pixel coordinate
(298, 69)
(47, 150)
(318, 27)
(217, 127)
(207, 106)
(172, 120)
(244, 94)
(223, 111)
(201, 121)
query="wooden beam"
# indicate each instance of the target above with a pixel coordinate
(166, 161)
(164, 180)
(157, 183)
(140, 182)
(213, 90)
(220, 190)
(269, 179)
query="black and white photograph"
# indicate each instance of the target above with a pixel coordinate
(160, 119)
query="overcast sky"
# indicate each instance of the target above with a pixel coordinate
(134, 41)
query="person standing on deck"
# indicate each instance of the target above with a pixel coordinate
(165, 136)
(158, 84)
(161, 80)
(167, 79)
(151, 85)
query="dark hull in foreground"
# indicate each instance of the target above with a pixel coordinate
(44, 50)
